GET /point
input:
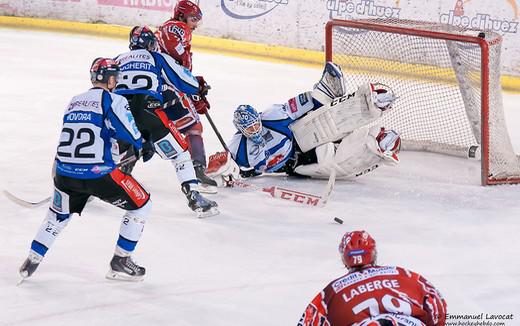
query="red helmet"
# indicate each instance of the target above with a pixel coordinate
(357, 248)
(102, 68)
(184, 9)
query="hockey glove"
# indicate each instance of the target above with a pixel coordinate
(200, 103)
(203, 86)
(147, 151)
(223, 169)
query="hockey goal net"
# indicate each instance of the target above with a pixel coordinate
(448, 82)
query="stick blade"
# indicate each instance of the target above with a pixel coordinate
(25, 203)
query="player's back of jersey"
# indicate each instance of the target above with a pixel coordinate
(174, 38)
(91, 124)
(374, 291)
(139, 74)
(146, 72)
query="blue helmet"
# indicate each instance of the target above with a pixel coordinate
(248, 122)
(142, 37)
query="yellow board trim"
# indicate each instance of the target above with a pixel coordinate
(241, 49)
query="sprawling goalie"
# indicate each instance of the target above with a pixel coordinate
(312, 134)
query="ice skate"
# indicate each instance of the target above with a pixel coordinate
(125, 269)
(200, 205)
(206, 184)
(30, 265)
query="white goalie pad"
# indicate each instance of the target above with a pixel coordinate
(343, 115)
(357, 154)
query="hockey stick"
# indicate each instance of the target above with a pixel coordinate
(214, 127)
(328, 189)
(25, 203)
(282, 193)
(35, 204)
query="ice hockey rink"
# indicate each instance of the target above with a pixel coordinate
(261, 260)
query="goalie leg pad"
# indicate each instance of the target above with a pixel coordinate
(321, 169)
(335, 120)
(357, 154)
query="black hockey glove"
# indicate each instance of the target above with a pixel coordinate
(147, 151)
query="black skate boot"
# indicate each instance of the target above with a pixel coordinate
(206, 184)
(200, 205)
(125, 269)
(30, 264)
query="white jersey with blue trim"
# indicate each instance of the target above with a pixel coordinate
(277, 147)
(146, 72)
(92, 124)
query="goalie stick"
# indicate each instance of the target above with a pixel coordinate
(35, 204)
(282, 193)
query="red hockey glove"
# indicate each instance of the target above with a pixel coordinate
(200, 103)
(203, 86)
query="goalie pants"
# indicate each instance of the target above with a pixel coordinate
(71, 195)
(299, 158)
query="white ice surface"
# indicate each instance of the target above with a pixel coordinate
(262, 259)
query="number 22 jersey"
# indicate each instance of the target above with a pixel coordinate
(92, 124)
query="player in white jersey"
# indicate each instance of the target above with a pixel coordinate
(85, 166)
(313, 133)
(144, 75)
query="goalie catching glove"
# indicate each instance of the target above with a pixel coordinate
(223, 169)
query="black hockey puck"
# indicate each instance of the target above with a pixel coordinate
(338, 220)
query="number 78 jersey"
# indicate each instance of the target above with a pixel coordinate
(358, 296)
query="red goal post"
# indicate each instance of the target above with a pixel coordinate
(448, 82)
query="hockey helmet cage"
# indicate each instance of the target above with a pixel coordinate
(357, 249)
(142, 37)
(102, 68)
(247, 120)
(185, 9)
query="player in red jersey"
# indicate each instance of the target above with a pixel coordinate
(174, 38)
(372, 295)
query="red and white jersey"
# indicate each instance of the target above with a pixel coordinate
(174, 38)
(356, 296)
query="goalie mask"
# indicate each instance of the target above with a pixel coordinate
(247, 120)
(357, 249)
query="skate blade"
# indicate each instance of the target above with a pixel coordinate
(21, 281)
(211, 212)
(207, 189)
(117, 276)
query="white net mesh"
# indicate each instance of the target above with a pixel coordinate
(439, 84)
